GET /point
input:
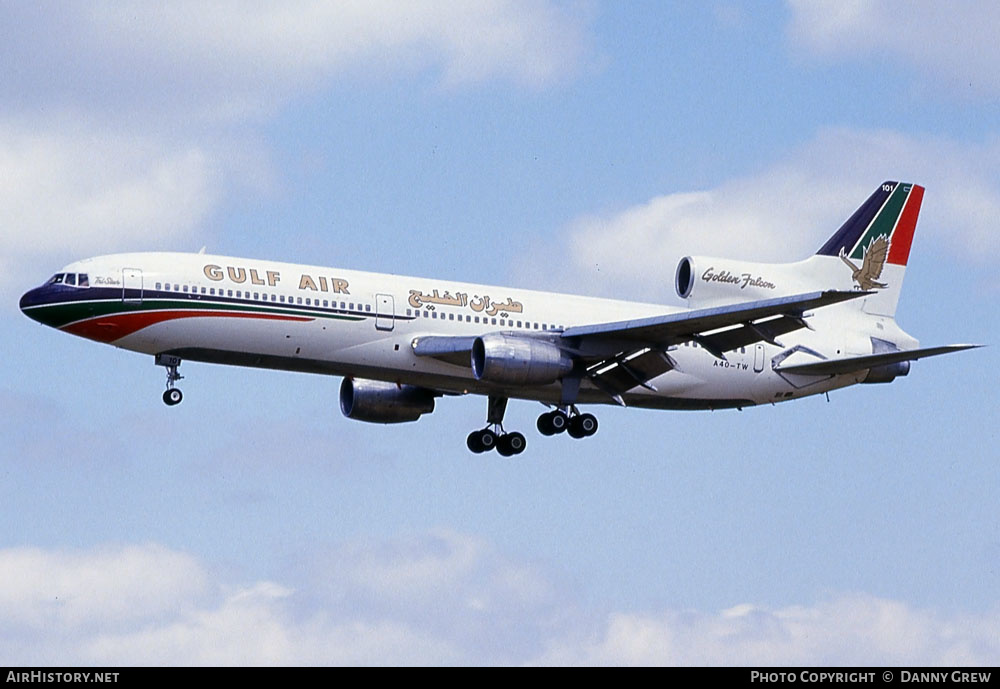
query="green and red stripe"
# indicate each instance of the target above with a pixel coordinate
(111, 320)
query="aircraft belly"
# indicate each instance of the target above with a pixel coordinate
(699, 381)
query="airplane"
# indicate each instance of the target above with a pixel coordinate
(752, 333)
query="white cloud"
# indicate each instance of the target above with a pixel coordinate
(955, 43)
(86, 189)
(846, 630)
(788, 210)
(110, 118)
(65, 589)
(229, 59)
(151, 605)
(254, 626)
(76, 191)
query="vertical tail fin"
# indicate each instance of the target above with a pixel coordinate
(874, 243)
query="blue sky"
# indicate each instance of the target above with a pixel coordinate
(583, 147)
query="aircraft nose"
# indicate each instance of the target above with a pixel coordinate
(33, 297)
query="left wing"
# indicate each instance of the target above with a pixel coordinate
(621, 355)
(639, 344)
(678, 327)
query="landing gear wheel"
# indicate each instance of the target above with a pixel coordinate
(481, 441)
(544, 424)
(558, 421)
(588, 423)
(511, 444)
(583, 426)
(172, 396)
(472, 442)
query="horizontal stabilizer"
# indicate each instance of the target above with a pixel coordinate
(832, 367)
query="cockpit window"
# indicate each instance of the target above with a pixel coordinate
(57, 279)
(84, 280)
(71, 279)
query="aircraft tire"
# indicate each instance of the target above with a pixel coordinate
(511, 444)
(559, 421)
(473, 443)
(485, 439)
(172, 396)
(588, 424)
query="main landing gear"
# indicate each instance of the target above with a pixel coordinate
(172, 396)
(565, 418)
(494, 436)
(576, 424)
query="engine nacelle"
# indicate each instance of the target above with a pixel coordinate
(889, 372)
(705, 281)
(376, 401)
(518, 360)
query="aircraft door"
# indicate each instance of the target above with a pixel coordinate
(131, 285)
(385, 312)
(758, 358)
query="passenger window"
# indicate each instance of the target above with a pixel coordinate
(451, 316)
(308, 302)
(299, 300)
(494, 321)
(185, 288)
(159, 285)
(230, 292)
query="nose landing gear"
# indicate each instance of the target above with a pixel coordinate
(172, 395)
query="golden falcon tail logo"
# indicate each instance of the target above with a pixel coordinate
(871, 265)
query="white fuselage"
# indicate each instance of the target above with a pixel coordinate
(351, 323)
